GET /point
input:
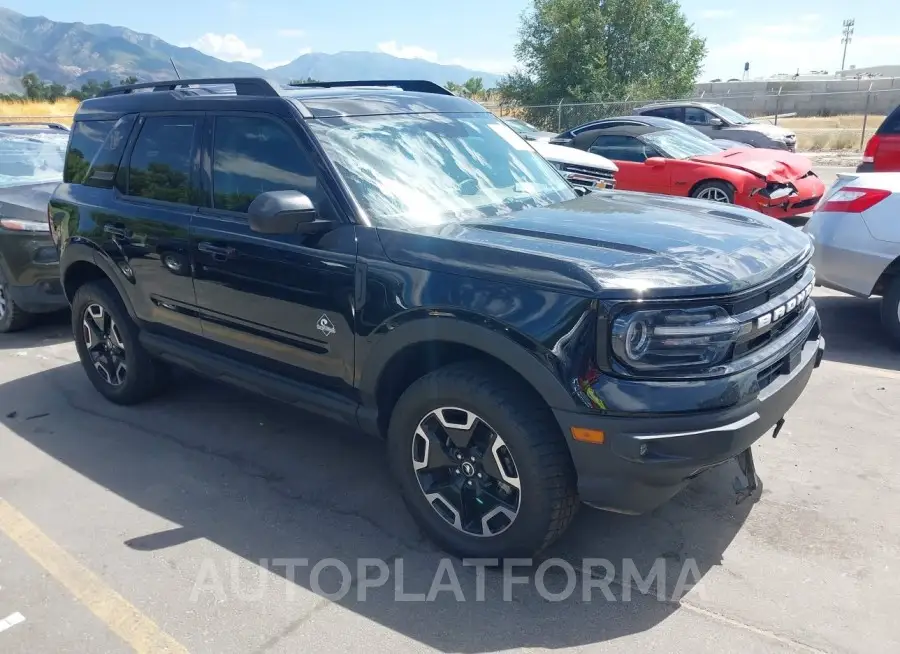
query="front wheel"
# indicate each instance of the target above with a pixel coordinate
(483, 467)
(890, 310)
(12, 318)
(714, 192)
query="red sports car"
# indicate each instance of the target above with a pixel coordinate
(658, 160)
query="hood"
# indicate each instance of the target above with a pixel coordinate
(773, 165)
(565, 155)
(537, 136)
(611, 244)
(26, 202)
(772, 131)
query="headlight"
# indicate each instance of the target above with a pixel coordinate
(670, 339)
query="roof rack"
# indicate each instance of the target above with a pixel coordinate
(242, 86)
(411, 85)
(35, 123)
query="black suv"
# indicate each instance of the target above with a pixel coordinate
(31, 165)
(397, 258)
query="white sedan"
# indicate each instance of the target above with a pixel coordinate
(856, 232)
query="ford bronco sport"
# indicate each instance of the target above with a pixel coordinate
(395, 257)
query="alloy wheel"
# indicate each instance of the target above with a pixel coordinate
(713, 194)
(4, 302)
(104, 344)
(466, 472)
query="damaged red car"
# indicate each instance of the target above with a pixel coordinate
(658, 160)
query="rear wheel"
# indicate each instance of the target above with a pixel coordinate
(12, 318)
(890, 310)
(107, 342)
(714, 192)
(482, 466)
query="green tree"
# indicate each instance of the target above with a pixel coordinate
(456, 89)
(131, 79)
(35, 89)
(474, 87)
(603, 50)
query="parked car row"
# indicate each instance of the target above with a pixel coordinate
(397, 258)
(670, 149)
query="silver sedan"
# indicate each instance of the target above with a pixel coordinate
(856, 232)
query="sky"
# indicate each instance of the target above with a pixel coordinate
(775, 36)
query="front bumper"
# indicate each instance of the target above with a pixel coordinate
(809, 191)
(29, 264)
(644, 461)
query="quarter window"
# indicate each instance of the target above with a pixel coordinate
(86, 140)
(622, 148)
(160, 166)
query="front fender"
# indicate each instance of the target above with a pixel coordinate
(540, 367)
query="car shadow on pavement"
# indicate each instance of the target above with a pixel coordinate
(853, 331)
(266, 482)
(47, 329)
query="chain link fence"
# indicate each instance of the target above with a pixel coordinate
(831, 121)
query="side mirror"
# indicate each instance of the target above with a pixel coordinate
(655, 162)
(716, 123)
(284, 212)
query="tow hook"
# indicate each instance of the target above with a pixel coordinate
(746, 487)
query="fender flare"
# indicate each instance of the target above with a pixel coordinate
(75, 252)
(513, 350)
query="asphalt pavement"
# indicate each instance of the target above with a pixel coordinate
(211, 520)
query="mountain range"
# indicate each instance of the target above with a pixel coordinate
(73, 53)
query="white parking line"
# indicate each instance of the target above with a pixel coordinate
(11, 621)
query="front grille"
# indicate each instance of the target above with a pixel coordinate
(596, 173)
(768, 315)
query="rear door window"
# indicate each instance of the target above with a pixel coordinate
(891, 125)
(672, 113)
(161, 165)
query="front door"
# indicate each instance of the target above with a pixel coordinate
(630, 155)
(282, 302)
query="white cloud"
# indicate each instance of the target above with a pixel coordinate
(227, 47)
(407, 51)
(715, 14)
(394, 49)
(291, 33)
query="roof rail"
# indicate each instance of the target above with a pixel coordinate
(35, 123)
(242, 86)
(412, 85)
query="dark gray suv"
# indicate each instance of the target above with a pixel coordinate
(720, 122)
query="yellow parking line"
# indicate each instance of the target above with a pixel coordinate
(122, 617)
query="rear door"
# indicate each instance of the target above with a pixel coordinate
(143, 224)
(630, 155)
(282, 302)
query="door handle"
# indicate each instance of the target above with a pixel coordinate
(217, 252)
(116, 230)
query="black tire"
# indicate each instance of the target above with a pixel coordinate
(890, 311)
(548, 495)
(12, 318)
(145, 377)
(714, 187)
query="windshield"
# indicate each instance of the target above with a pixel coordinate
(31, 157)
(731, 116)
(677, 144)
(411, 170)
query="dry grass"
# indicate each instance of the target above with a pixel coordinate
(60, 111)
(832, 122)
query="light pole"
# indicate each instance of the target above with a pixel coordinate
(847, 36)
